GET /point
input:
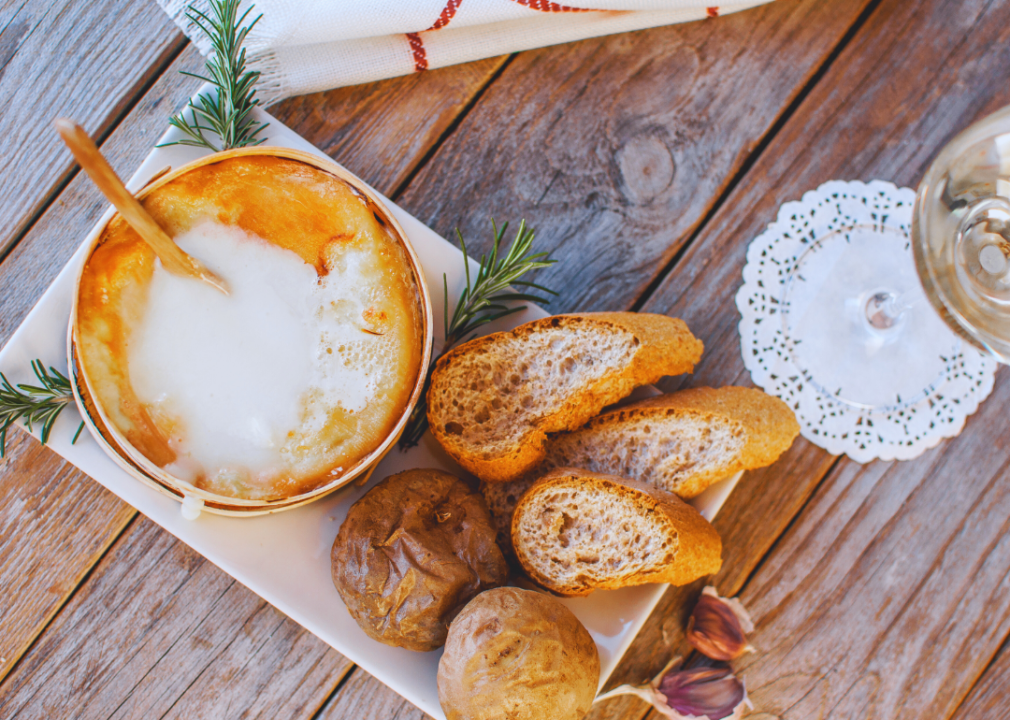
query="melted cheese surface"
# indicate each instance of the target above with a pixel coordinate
(290, 380)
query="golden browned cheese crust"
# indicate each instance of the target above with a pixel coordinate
(664, 346)
(293, 206)
(411, 553)
(516, 654)
(699, 547)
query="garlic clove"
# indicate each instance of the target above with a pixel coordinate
(735, 605)
(704, 692)
(718, 626)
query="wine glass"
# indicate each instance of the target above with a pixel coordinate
(961, 235)
(884, 302)
(880, 313)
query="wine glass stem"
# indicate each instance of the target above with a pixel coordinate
(883, 311)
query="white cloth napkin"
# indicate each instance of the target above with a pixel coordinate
(303, 46)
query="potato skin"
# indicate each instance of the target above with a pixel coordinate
(412, 552)
(516, 654)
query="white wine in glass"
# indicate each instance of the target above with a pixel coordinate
(961, 235)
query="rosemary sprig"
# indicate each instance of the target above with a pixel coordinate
(228, 112)
(483, 301)
(35, 404)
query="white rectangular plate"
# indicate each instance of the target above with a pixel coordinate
(285, 558)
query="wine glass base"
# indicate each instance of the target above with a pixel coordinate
(845, 339)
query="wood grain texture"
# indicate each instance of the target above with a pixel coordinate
(40, 255)
(466, 167)
(158, 631)
(51, 546)
(887, 598)
(383, 131)
(890, 595)
(615, 148)
(55, 523)
(365, 697)
(371, 129)
(989, 698)
(877, 531)
(109, 50)
(317, 132)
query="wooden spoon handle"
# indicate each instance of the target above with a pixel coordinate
(172, 257)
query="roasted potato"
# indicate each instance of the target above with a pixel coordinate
(516, 654)
(412, 552)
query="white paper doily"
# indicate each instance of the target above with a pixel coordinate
(879, 216)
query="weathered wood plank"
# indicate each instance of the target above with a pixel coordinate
(578, 149)
(615, 148)
(36, 261)
(990, 698)
(158, 630)
(72, 543)
(109, 51)
(727, 506)
(8, 11)
(457, 168)
(888, 596)
(365, 697)
(45, 553)
(295, 106)
(382, 131)
(372, 129)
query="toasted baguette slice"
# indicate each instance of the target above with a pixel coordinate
(493, 400)
(575, 531)
(682, 442)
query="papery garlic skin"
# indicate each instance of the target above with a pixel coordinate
(646, 692)
(718, 627)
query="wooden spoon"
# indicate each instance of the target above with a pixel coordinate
(172, 257)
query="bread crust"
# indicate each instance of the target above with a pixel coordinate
(665, 347)
(699, 547)
(769, 424)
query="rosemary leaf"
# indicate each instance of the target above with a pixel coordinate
(34, 404)
(481, 302)
(228, 112)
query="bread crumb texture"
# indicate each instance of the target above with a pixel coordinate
(576, 531)
(493, 400)
(664, 448)
(683, 443)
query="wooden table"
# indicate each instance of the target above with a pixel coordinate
(647, 162)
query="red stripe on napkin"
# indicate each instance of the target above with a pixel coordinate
(448, 12)
(548, 6)
(713, 11)
(417, 47)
